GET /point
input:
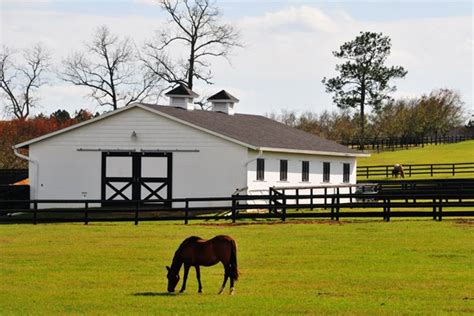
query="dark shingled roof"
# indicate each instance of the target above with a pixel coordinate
(223, 95)
(182, 90)
(254, 130)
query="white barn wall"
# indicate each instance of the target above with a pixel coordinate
(272, 172)
(65, 173)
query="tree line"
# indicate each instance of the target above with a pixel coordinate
(433, 114)
(17, 131)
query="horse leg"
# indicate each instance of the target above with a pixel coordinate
(198, 275)
(226, 276)
(231, 292)
(185, 277)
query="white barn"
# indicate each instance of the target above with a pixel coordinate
(154, 152)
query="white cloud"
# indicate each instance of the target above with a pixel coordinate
(147, 2)
(285, 67)
(287, 53)
(293, 19)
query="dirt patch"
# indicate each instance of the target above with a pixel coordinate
(332, 294)
(465, 222)
(276, 222)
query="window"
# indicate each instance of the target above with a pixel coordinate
(305, 171)
(260, 169)
(283, 170)
(326, 171)
(346, 172)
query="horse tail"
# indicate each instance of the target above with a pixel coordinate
(234, 271)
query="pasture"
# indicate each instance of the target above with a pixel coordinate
(430, 154)
(445, 153)
(315, 267)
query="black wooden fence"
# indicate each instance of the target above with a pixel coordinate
(417, 169)
(332, 203)
(14, 192)
(392, 143)
(10, 176)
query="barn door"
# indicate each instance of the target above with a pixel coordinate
(137, 176)
(154, 178)
(118, 176)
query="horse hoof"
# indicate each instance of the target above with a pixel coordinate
(231, 292)
(221, 291)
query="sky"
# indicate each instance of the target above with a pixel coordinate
(287, 52)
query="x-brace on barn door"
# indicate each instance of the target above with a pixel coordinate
(136, 176)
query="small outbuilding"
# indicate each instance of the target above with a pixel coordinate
(157, 152)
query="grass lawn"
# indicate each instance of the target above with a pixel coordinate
(359, 267)
(446, 153)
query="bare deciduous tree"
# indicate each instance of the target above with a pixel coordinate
(111, 67)
(196, 26)
(19, 82)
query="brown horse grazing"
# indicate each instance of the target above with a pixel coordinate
(195, 251)
(398, 170)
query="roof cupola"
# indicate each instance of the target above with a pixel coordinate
(223, 101)
(182, 97)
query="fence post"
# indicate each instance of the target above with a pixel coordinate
(367, 172)
(325, 197)
(440, 210)
(275, 201)
(137, 205)
(186, 211)
(386, 171)
(431, 169)
(86, 214)
(453, 170)
(271, 201)
(297, 197)
(234, 211)
(35, 207)
(388, 211)
(332, 207)
(312, 201)
(409, 170)
(350, 195)
(283, 214)
(337, 207)
(434, 209)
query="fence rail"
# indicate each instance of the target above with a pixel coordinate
(392, 143)
(427, 203)
(417, 169)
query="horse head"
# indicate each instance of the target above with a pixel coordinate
(173, 279)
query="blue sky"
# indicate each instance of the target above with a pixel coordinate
(288, 45)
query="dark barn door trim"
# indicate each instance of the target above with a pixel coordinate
(137, 182)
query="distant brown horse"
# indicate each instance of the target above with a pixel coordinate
(398, 170)
(195, 251)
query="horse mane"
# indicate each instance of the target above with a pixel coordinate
(188, 241)
(177, 262)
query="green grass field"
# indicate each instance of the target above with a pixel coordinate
(431, 154)
(446, 153)
(360, 267)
